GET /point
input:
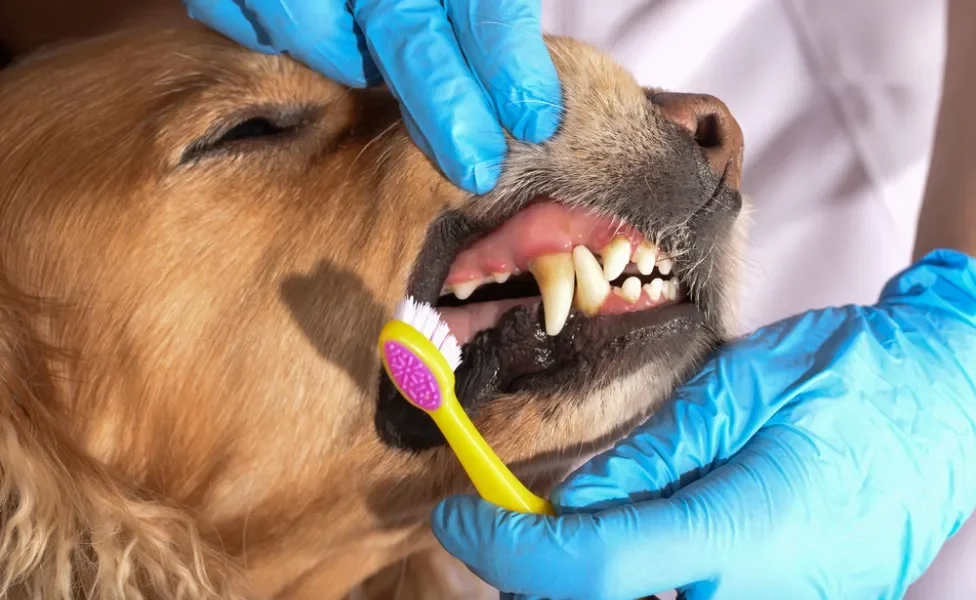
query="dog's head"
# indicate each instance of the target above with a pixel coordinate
(200, 245)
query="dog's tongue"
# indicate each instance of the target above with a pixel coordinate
(468, 320)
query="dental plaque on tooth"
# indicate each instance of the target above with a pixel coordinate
(564, 260)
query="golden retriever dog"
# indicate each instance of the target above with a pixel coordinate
(198, 247)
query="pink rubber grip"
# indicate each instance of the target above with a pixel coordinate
(412, 376)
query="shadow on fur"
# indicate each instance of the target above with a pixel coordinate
(321, 303)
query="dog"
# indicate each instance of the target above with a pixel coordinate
(198, 247)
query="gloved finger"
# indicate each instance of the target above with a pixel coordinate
(321, 34)
(522, 553)
(635, 550)
(707, 421)
(231, 19)
(697, 430)
(418, 136)
(503, 44)
(673, 448)
(417, 52)
(940, 284)
(624, 553)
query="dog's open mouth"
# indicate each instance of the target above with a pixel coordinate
(567, 260)
(559, 300)
(558, 296)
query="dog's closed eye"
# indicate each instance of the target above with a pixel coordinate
(249, 131)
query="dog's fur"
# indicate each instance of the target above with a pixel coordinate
(187, 330)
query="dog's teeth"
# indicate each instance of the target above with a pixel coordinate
(645, 256)
(671, 289)
(463, 291)
(654, 289)
(445, 290)
(556, 278)
(631, 289)
(592, 288)
(664, 266)
(500, 277)
(616, 257)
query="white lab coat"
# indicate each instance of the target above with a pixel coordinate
(837, 99)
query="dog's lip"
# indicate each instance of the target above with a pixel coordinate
(517, 355)
(604, 339)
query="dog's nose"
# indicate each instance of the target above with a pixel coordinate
(712, 125)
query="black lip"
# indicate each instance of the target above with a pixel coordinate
(517, 355)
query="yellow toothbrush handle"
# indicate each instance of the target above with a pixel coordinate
(493, 480)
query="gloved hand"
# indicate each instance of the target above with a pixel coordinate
(829, 455)
(457, 67)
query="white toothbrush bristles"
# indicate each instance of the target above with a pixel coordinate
(425, 319)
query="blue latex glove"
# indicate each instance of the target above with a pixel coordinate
(826, 456)
(461, 69)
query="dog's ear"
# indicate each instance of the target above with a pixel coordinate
(68, 528)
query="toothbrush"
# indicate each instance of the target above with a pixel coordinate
(420, 355)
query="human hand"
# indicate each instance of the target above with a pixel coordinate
(829, 455)
(461, 69)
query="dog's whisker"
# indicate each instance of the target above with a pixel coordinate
(375, 138)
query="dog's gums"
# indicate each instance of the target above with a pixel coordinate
(556, 244)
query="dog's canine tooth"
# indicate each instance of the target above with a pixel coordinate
(616, 257)
(664, 266)
(592, 288)
(654, 289)
(631, 289)
(645, 256)
(463, 291)
(556, 278)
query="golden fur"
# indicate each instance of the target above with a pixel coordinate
(187, 342)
